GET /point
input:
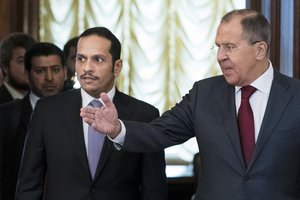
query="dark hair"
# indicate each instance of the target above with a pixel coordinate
(71, 43)
(42, 49)
(12, 41)
(255, 26)
(115, 48)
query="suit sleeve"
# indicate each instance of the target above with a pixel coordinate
(33, 165)
(174, 127)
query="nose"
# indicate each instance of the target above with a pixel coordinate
(221, 54)
(88, 66)
(49, 75)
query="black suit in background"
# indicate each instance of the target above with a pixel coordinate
(55, 145)
(14, 120)
(5, 96)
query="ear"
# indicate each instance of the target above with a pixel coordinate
(262, 50)
(4, 69)
(118, 67)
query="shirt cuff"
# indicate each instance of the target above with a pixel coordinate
(119, 140)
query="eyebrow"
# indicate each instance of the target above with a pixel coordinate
(81, 55)
(51, 66)
(93, 56)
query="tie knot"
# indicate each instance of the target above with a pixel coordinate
(247, 91)
(95, 103)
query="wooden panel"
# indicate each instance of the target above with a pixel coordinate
(19, 16)
(254, 5)
(31, 18)
(5, 7)
(274, 7)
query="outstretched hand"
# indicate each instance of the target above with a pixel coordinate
(104, 119)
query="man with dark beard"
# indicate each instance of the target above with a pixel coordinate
(12, 50)
(45, 66)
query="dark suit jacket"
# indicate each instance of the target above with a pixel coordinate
(55, 145)
(5, 96)
(14, 120)
(208, 112)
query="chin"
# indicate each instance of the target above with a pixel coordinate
(230, 80)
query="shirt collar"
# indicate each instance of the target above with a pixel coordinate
(13, 92)
(33, 99)
(86, 98)
(264, 82)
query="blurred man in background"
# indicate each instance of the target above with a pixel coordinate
(12, 50)
(70, 54)
(45, 66)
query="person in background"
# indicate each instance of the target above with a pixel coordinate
(45, 66)
(1, 76)
(79, 164)
(12, 50)
(70, 54)
(246, 121)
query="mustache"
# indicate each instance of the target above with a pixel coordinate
(89, 75)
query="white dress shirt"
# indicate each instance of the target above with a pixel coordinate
(13, 92)
(259, 98)
(33, 99)
(86, 99)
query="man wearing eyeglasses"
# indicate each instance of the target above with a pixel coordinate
(246, 121)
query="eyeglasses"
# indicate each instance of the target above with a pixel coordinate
(229, 48)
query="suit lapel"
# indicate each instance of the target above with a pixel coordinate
(26, 111)
(124, 113)
(105, 154)
(280, 95)
(121, 103)
(226, 103)
(76, 135)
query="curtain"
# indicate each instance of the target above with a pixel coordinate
(165, 44)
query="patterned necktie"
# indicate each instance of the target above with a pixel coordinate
(95, 143)
(246, 123)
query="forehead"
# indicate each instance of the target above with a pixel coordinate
(44, 61)
(93, 44)
(230, 32)
(18, 51)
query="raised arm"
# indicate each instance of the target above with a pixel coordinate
(105, 119)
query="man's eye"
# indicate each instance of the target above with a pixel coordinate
(230, 48)
(56, 70)
(100, 60)
(80, 59)
(39, 71)
(20, 61)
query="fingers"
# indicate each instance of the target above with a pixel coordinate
(88, 120)
(87, 114)
(106, 99)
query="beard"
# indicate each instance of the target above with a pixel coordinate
(18, 84)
